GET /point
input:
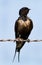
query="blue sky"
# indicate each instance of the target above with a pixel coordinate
(31, 54)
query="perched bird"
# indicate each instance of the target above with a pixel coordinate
(23, 28)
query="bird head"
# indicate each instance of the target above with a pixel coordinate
(24, 11)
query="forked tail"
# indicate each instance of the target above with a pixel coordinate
(18, 56)
(14, 55)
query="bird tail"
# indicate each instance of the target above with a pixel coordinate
(18, 56)
(14, 55)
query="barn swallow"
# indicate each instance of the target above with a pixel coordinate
(23, 28)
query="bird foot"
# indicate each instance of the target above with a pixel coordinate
(19, 39)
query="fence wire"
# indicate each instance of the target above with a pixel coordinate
(19, 39)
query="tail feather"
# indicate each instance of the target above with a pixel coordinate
(14, 55)
(18, 56)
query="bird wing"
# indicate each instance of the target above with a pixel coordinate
(16, 29)
(31, 24)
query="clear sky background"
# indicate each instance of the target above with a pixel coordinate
(31, 54)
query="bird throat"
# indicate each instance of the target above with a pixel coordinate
(24, 18)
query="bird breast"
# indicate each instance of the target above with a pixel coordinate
(24, 24)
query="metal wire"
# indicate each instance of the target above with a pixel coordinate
(19, 39)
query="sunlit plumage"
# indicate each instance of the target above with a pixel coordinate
(23, 27)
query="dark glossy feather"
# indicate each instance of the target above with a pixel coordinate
(23, 27)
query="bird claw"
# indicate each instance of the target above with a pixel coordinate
(19, 39)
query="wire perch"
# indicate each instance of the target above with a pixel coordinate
(19, 39)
